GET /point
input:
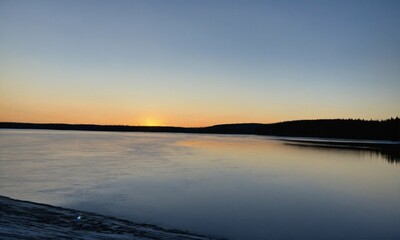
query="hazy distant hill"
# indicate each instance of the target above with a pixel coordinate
(327, 128)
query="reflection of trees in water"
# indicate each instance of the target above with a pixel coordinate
(390, 153)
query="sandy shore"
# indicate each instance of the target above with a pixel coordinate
(28, 220)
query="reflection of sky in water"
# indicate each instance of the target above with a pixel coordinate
(241, 187)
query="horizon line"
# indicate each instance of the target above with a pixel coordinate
(169, 126)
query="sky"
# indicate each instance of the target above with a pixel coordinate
(198, 63)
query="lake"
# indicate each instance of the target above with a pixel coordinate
(235, 186)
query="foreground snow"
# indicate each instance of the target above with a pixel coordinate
(27, 220)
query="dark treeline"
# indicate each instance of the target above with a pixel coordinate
(92, 127)
(332, 128)
(348, 129)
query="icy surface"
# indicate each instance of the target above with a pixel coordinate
(28, 220)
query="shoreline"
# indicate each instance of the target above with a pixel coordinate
(29, 220)
(336, 129)
(389, 150)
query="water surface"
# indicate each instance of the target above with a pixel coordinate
(240, 187)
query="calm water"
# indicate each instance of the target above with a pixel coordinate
(240, 187)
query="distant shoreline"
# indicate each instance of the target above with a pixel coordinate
(386, 130)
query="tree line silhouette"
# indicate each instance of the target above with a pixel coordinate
(388, 129)
(325, 128)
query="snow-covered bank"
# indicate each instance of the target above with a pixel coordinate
(28, 220)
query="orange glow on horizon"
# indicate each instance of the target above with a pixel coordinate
(152, 122)
(114, 118)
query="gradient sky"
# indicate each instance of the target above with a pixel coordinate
(197, 63)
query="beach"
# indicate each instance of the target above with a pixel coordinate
(29, 220)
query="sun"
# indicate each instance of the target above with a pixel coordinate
(152, 122)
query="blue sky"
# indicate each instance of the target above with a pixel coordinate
(195, 63)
